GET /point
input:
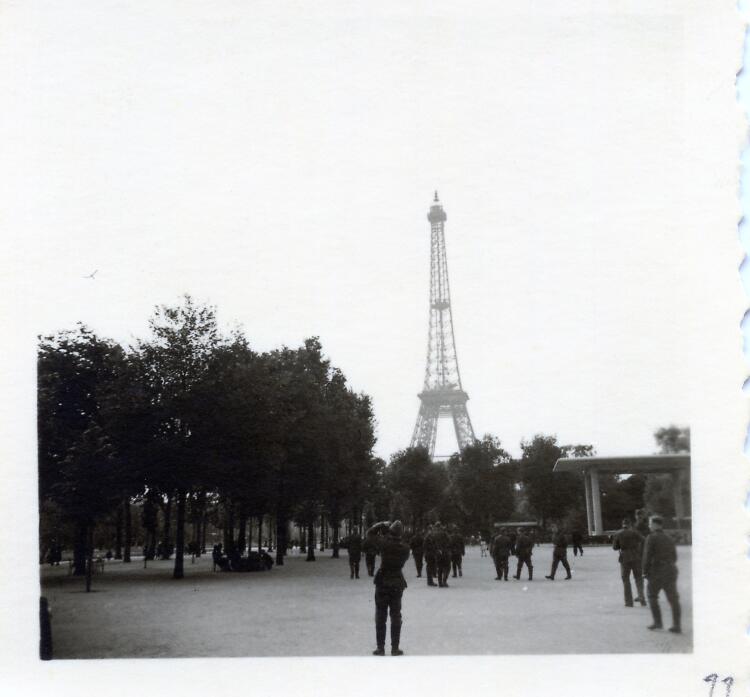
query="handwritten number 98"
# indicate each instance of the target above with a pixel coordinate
(728, 682)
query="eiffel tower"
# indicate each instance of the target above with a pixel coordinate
(442, 394)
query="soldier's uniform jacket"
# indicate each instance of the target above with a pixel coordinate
(442, 541)
(369, 546)
(457, 544)
(642, 528)
(524, 545)
(393, 556)
(417, 544)
(659, 555)
(430, 546)
(501, 546)
(560, 541)
(629, 542)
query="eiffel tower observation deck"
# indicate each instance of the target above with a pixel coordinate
(442, 395)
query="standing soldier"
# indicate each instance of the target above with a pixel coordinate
(417, 550)
(500, 553)
(389, 583)
(524, 547)
(630, 544)
(641, 523)
(577, 539)
(430, 555)
(458, 549)
(660, 568)
(443, 544)
(559, 553)
(354, 547)
(369, 547)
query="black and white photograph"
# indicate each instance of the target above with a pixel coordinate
(383, 341)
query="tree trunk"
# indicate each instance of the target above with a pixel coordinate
(118, 534)
(280, 539)
(310, 541)
(241, 535)
(128, 530)
(89, 556)
(322, 532)
(204, 526)
(335, 525)
(260, 532)
(180, 539)
(228, 528)
(166, 541)
(79, 550)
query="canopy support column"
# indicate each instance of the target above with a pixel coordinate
(596, 502)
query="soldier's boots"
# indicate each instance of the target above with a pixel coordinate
(460, 571)
(656, 613)
(395, 640)
(378, 652)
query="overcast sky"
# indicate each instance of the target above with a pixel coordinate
(281, 168)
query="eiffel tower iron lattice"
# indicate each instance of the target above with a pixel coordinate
(442, 394)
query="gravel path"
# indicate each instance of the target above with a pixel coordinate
(314, 609)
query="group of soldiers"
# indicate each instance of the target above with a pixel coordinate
(441, 549)
(509, 543)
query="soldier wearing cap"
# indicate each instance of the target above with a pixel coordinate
(559, 553)
(370, 549)
(660, 568)
(501, 549)
(354, 548)
(389, 583)
(430, 555)
(457, 551)
(524, 548)
(443, 556)
(630, 544)
(417, 550)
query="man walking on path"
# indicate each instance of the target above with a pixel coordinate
(370, 549)
(660, 568)
(417, 550)
(524, 547)
(630, 544)
(559, 553)
(500, 554)
(354, 547)
(577, 539)
(389, 583)
(430, 555)
(458, 549)
(443, 545)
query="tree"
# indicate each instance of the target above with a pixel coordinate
(421, 482)
(481, 483)
(550, 495)
(173, 363)
(659, 493)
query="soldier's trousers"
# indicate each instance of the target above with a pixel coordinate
(626, 568)
(521, 562)
(501, 567)
(388, 600)
(431, 561)
(444, 569)
(456, 564)
(354, 568)
(577, 548)
(418, 562)
(559, 558)
(370, 564)
(666, 581)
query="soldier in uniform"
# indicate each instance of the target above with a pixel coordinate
(500, 554)
(577, 540)
(417, 550)
(559, 553)
(513, 536)
(430, 555)
(443, 544)
(370, 549)
(630, 544)
(389, 583)
(458, 549)
(641, 523)
(354, 547)
(660, 568)
(524, 547)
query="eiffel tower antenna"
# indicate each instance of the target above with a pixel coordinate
(442, 394)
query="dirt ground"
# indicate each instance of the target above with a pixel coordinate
(314, 609)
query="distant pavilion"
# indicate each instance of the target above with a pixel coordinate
(590, 467)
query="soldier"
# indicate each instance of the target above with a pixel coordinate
(660, 568)
(443, 544)
(559, 553)
(389, 583)
(500, 553)
(458, 549)
(354, 547)
(370, 549)
(641, 523)
(513, 536)
(630, 544)
(524, 548)
(417, 550)
(430, 555)
(577, 539)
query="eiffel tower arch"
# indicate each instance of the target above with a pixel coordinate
(442, 395)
